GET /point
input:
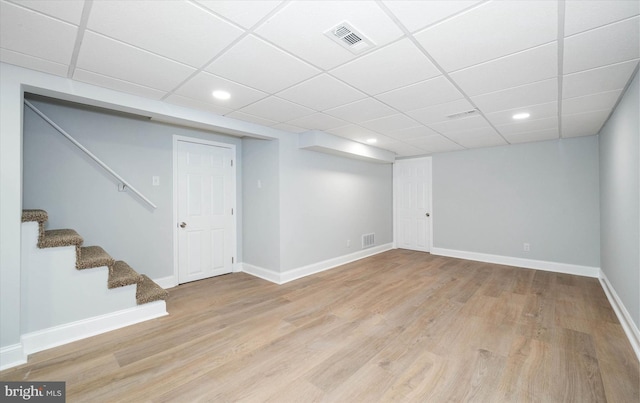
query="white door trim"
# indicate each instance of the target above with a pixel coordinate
(429, 162)
(234, 229)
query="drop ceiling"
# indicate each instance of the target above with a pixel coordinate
(565, 63)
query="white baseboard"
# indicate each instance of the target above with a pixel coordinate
(166, 282)
(630, 329)
(566, 268)
(294, 274)
(67, 333)
(12, 356)
(261, 272)
(314, 268)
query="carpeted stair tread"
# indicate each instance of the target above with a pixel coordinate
(54, 238)
(121, 274)
(34, 215)
(92, 256)
(148, 291)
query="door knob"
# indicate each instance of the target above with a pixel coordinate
(183, 224)
(428, 215)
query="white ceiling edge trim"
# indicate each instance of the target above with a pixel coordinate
(315, 140)
(49, 85)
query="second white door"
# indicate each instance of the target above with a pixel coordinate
(205, 202)
(412, 188)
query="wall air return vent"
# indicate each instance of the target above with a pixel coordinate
(349, 38)
(464, 114)
(368, 240)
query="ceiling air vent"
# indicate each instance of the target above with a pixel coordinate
(464, 114)
(348, 37)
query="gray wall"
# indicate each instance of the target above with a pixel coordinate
(327, 200)
(492, 200)
(310, 204)
(620, 200)
(261, 203)
(78, 194)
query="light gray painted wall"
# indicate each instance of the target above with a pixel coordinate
(620, 200)
(78, 194)
(10, 205)
(492, 200)
(326, 200)
(261, 205)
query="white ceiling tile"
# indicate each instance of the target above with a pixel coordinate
(583, 124)
(306, 22)
(260, 65)
(517, 97)
(528, 125)
(415, 15)
(359, 111)
(583, 15)
(69, 11)
(601, 79)
(196, 104)
(439, 113)
(540, 135)
(412, 133)
(501, 54)
(160, 28)
(486, 137)
(115, 84)
(535, 111)
(28, 32)
(593, 102)
(33, 63)
(277, 109)
(104, 56)
(489, 31)
(610, 44)
(434, 91)
(520, 68)
(201, 86)
(251, 118)
(390, 123)
(457, 125)
(317, 121)
(289, 128)
(409, 66)
(434, 144)
(321, 93)
(245, 13)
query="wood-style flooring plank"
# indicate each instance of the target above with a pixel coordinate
(398, 326)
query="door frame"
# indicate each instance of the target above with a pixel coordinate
(429, 162)
(234, 218)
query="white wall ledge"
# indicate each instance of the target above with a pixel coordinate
(329, 144)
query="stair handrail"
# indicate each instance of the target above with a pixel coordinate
(53, 124)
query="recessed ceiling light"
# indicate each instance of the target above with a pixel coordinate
(519, 116)
(372, 141)
(220, 94)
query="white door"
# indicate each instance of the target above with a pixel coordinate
(205, 180)
(412, 189)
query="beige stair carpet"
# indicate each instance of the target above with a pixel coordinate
(120, 273)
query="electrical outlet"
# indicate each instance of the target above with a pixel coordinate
(155, 181)
(526, 247)
(348, 243)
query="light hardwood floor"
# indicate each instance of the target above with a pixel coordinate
(399, 326)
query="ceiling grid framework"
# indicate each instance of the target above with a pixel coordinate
(564, 62)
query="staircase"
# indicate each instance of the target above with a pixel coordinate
(87, 257)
